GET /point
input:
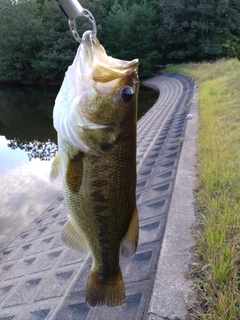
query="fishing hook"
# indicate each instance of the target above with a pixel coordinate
(72, 10)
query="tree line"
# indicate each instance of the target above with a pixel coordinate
(36, 44)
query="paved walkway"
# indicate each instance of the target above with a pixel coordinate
(40, 278)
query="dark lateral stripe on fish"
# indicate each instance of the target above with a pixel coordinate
(109, 251)
(98, 197)
(74, 173)
(100, 208)
(99, 183)
(104, 167)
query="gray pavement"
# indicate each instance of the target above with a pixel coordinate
(40, 278)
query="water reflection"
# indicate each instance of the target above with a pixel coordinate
(27, 137)
(35, 149)
(26, 113)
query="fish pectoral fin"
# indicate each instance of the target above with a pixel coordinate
(74, 172)
(73, 238)
(56, 168)
(130, 240)
(104, 292)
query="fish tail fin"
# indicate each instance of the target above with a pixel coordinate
(102, 292)
(56, 168)
(130, 240)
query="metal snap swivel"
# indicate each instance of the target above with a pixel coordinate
(72, 9)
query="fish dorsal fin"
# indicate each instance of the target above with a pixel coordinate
(130, 240)
(56, 168)
(73, 238)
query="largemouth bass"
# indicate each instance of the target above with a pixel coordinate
(95, 118)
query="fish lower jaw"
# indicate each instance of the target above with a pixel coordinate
(96, 126)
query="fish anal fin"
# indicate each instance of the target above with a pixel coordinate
(72, 238)
(130, 240)
(56, 168)
(74, 172)
(103, 292)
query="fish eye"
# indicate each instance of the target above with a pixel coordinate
(126, 94)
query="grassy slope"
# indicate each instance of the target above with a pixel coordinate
(217, 267)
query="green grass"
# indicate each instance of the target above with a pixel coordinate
(217, 266)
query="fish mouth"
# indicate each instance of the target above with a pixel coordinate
(104, 68)
(88, 40)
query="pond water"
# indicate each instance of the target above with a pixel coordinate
(27, 145)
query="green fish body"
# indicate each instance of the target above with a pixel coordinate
(95, 117)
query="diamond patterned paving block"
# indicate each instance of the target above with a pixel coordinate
(71, 257)
(167, 164)
(18, 252)
(7, 318)
(157, 191)
(52, 217)
(150, 233)
(20, 239)
(141, 184)
(130, 311)
(39, 232)
(45, 261)
(23, 293)
(149, 163)
(20, 268)
(153, 209)
(41, 279)
(144, 173)
(141, 263)
(4, 291)
(57, 240)
(162, 177)
(81, 281)
(39, 314)
(5, 269)
(55, 227)
(55, 286)
(75, 310)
